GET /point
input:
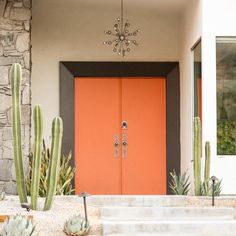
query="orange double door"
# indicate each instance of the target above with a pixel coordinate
(120, 135)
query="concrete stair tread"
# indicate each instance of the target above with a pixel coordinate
(169, 228)
(170, 222)
(167, 213)
(137, 200)
(168, 207)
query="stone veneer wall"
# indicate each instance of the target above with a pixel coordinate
(15, 26)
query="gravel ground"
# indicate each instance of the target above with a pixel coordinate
(222, 201)
(50, 223)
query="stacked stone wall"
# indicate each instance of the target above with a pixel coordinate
(15, 28)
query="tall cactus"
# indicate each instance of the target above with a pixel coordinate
(197, 156)
(207, 163)
(16, 74)
(57, 131)
(37, 153)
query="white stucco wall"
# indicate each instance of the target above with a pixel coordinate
(72, 30)
(218, 20)
(191, 31)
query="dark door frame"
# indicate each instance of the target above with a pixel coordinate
(169, 70)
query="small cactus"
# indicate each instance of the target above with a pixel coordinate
(17, 226)
(76, 225)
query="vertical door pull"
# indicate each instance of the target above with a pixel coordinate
(116, 146)
(124, 145)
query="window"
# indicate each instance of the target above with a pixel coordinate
(226, 95)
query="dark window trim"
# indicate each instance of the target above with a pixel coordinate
(170, 70)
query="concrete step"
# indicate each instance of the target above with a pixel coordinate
(136, 200)
(166, 213)
(169, 228)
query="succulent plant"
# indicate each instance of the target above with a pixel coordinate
(207, 188)
(179, 184)
(16, 76)
(17, 226)
(57, 132)
(54, 165)
(197, 156)
(76, 225)
(38, 141)
(66, 174)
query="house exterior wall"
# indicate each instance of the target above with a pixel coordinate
(218, 20)
(191, 31)
(15, 28)
(73, 31)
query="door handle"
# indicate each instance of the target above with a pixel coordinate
(124, 145)
(116, 146)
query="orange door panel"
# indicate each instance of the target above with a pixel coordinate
(100, 106)
(97, 120)
(144, 108)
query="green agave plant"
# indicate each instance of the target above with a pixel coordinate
(179, 184)
(76, 225)
(17, 226)
(207, 188)
(66, 174)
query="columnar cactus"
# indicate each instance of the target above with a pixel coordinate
(207, 162)
(57, 132)
(16, 75)
(37, 153)
(197, 156)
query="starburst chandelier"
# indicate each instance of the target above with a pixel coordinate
(123, 37)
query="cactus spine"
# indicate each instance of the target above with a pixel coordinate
(37, 152)
(197, 156)
(207, 162)
(57, 131)
(16, 75)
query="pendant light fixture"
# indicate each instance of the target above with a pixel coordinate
(123, 37)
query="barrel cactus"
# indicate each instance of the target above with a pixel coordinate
(76, 225)
(17, 226)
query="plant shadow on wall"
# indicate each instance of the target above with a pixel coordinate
(180, 183)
